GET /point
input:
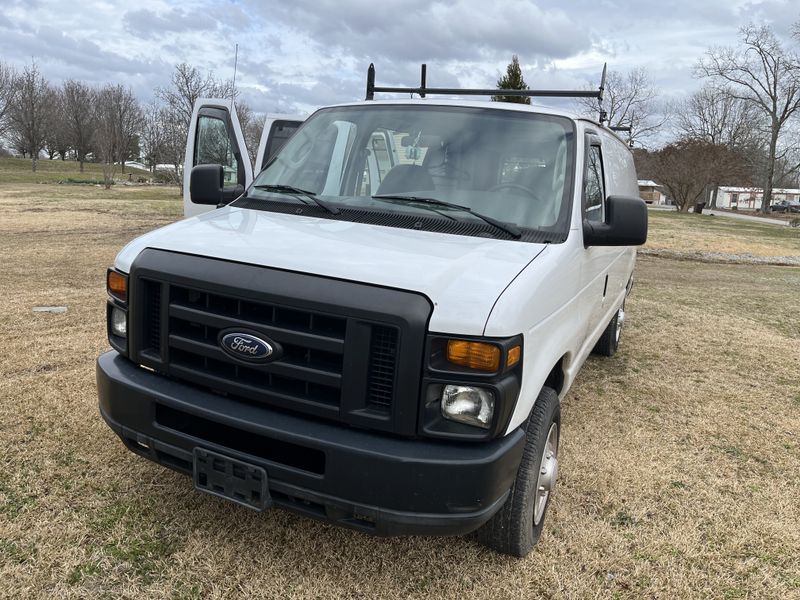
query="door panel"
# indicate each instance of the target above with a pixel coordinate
(215, 137)
(598, 261)
(277, 130)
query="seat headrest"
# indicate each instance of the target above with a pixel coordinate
(406, 178)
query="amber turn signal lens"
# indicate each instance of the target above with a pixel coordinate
(117, 285)
(473, 355)
(513, 356)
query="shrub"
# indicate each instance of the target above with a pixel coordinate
(75, 181)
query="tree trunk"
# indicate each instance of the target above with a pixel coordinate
(714, 196)
(766, 197)
(81, 161)
(33, 163)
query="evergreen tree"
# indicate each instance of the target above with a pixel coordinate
(512, 80)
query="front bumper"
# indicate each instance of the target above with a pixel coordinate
(373, 482)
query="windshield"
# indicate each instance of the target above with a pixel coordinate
(513, 167)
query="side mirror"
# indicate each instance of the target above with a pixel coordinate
(626, 224)
(206, 183)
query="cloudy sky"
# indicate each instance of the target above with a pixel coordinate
(298, 54)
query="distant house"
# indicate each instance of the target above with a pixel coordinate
(744, 198)
(651, 193)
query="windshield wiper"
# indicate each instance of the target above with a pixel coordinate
(290, 189)
(510, 229)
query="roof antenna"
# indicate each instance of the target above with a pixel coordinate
(235, 65)
(603, 114)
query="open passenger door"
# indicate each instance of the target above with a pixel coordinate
(277, 130)
(216, 137)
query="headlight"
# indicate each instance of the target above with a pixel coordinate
(468, 404)
(119, 322)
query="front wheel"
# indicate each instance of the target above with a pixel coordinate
(516, 527)
(608, 343)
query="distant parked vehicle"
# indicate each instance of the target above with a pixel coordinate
(785, 206)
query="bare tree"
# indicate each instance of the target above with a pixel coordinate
(29, 112)
(56, 139)
(153, 135)
(105, 132)
(714, 115)
(629, 100)
(8, 77)
(128, 114)
(118, 119)
(252, 125)
(174, 141)
(761, 72)
(186, 86)
(79, 118)
(717, 116)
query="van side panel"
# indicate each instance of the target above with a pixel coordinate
(543, 303)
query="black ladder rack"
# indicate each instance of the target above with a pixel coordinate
(423, 90)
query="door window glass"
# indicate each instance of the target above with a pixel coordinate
(593, 188)
(213, 147)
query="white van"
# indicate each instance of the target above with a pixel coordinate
(377, 328)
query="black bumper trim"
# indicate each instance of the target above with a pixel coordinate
(372, 482)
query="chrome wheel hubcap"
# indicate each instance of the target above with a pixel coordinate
(548, 473)
(620, 321)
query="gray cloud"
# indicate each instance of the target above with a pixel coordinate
(300, 54)
(149, 24)
(421, 30)
(80, 56)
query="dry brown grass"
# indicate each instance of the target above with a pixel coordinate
(680, 470)
(689, 232)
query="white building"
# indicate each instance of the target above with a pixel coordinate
(748, 198)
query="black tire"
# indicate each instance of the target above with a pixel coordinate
(608, 344)
(512, 529)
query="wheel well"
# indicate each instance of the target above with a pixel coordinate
(555, 379)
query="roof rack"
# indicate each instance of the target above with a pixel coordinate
(423, 90)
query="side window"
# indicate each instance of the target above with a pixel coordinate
(594, 193)
(213, 146)
(279, 133)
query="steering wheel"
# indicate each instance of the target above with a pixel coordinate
(515, 186)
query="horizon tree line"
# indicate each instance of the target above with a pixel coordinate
(108, 124)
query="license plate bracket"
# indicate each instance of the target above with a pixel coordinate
(231, 479)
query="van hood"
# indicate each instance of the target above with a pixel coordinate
(462, 276)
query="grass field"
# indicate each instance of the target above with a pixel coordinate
(689, 232)
(680, 471)
(18, 170)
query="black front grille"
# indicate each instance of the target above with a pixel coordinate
(309, 370)
(348, 351)
(382, 366)
(152, 318)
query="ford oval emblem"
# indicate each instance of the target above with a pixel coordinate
(247, 347)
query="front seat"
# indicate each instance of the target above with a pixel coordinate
(403, 179)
